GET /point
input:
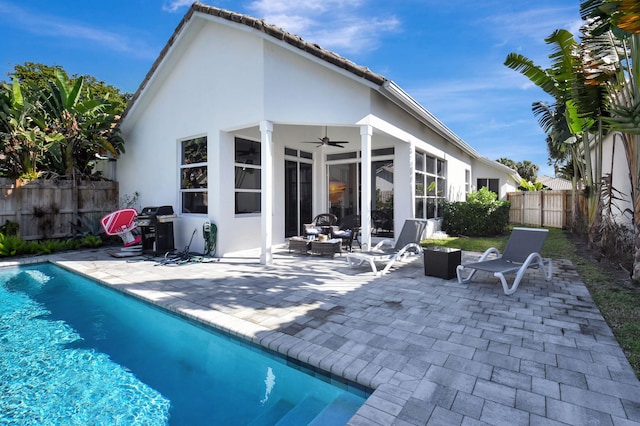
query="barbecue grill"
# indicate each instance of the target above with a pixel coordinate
(156, 228)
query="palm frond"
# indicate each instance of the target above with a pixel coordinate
(533, 72)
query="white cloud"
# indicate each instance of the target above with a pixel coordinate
(534, 24)
(341, 25)
(56, 27)
(175, 5)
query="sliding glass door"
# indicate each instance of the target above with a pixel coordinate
(298, 195)
(344, 191)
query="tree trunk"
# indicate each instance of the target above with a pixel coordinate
(635, 275)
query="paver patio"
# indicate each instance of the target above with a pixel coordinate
(435, 351)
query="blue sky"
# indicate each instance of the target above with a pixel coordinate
(448, 55)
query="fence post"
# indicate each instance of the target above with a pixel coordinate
(541, 195)
(18, 186)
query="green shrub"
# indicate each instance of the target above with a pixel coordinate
(91, 241)
(10, 228)
(11, 245)
(480, 215)
(51, 246)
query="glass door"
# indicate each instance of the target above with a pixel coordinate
(344, 189)
(298, 196)
(382, 197)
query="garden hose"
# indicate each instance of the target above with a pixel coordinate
(210, 235)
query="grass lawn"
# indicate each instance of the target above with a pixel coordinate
(618, 301)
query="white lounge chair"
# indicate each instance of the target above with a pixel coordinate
(408, 242)
(521, 252)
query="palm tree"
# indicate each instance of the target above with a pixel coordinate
(614, 41)
(566, 128)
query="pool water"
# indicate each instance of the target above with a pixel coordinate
(75, 352)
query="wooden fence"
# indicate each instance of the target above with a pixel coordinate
(543, 208)
(46, 208)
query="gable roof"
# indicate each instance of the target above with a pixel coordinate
(386, 87)
(263, 26)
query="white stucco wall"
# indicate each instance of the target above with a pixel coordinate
(481, 170)
(221, 80)
(614, 161)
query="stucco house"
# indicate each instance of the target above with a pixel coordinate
(229, 123)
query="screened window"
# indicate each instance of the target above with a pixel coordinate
(431, 183)
(248, 183)
(492, 185)
(193, 175)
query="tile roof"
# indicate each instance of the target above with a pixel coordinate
(555, 183)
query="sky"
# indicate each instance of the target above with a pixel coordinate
(448, 55)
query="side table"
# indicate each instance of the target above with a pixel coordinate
(441, 262)
(299, 244)
(331, 247)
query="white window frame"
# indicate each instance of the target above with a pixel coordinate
(257, 168)
(422, 180)
(184, 166)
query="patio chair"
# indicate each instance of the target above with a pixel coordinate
(521, 253)
(321, 224)
(349, 231)
(408, 242)
(380, 222)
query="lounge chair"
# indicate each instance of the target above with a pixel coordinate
(521, 253)
(407, 242)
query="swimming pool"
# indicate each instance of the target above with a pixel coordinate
(75, 352)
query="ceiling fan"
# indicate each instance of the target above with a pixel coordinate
(325, 141)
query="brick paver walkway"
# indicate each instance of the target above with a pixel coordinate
(436, 352)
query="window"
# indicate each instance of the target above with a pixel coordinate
(193, 175)
(431, 183)
(248, 183)
(467, 181)
(492, 184)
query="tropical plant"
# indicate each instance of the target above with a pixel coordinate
(86, 126)
(22, 139)
(569, 122)
(527, 170)
(91, 241)
(527, 185)
(10, 228)
(11, 245)
(51, 246)
(38, 76)
(49, 122)
(507, 162)
(87, 224)
(614, 40)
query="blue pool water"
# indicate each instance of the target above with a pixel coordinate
(75, 352)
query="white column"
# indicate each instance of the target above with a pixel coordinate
(266, 205)
(412, 180)
(365, 184)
